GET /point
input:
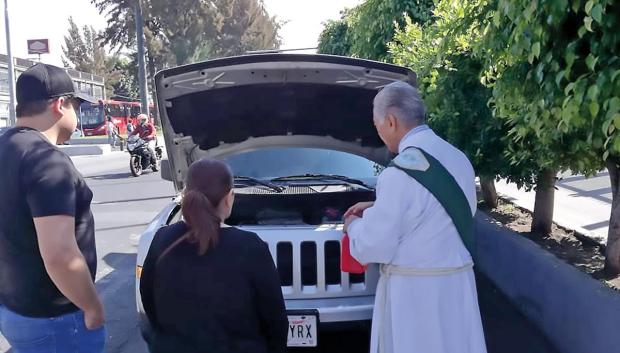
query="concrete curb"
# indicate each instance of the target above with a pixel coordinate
(89, 141)
(85, 150)
(577, 313)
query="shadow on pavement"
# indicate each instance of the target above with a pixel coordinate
(117, 290)
(596, 194)
(133, 200)
(121, 227)
(574, 178)
(112, 176)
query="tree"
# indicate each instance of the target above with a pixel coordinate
(183, 31)
(335, 38)
(449, 80)
(123, 75)
(246, 26)
(84, 51)
(555, 73)
(371, 25)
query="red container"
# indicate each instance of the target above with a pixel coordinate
(347, 262)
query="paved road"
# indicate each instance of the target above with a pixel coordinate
(123, 205)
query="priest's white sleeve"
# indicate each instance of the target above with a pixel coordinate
(375, 237)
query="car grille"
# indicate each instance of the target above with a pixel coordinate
(311, 268)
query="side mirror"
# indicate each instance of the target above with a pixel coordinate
(166, 170)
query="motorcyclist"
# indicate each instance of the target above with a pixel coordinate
(146, 131)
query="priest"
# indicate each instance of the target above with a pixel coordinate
(419, 231)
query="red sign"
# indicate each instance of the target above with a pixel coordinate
(38, 46)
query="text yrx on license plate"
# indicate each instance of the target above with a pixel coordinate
(302, 331)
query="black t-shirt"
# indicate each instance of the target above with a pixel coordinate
(37, 180)
(228, 300)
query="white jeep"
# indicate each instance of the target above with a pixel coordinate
(297, 131)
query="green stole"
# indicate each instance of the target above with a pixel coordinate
(435, 178)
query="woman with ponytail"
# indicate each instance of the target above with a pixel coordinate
(207, 287)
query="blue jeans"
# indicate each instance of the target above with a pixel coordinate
(61, 334)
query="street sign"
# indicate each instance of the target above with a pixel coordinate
(38, 46)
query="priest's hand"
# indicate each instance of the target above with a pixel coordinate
(348, 221)
(357, 209)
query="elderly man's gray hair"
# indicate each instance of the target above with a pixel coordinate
(401, 100)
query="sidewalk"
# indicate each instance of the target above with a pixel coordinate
(581, 204)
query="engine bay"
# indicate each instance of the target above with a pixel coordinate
(295, 209)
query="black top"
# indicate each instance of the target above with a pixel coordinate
(37, 180)
(228, 300)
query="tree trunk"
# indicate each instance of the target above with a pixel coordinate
(489, 194)
(612, 253)
(542, 218)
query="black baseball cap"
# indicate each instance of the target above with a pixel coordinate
(42, 81)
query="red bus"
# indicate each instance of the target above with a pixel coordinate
(135, 111)
(93, 117)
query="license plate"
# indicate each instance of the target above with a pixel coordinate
(302, 331)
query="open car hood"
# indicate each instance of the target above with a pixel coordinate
(226, 106)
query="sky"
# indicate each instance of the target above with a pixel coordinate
(37, 19)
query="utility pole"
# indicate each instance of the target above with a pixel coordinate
(11, 68)
(144, 99)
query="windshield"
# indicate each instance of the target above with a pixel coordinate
(91, 114)
(115, 110)
(281, 162)
(135, 111)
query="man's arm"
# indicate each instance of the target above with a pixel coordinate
(67, 267)
(151, 131)
(375, 237)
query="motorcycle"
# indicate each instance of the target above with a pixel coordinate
(140, 156)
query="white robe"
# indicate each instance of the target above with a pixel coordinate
(407, 227)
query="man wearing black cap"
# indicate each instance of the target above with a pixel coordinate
(48, 301)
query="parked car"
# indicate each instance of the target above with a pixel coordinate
(298, 133)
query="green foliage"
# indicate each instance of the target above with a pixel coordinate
(553, 67)
(374, 23)
(552, 70)
(84, 51)
(449, 80)
(182, 31)
(244, 25)
(365, 30)
(123, 77)
(335, 38)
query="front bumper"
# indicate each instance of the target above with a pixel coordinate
(336, 310)
(334, 313)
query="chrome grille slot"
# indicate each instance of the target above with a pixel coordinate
(357, 278)
(284, 263)
(332, 262)
(308, 263)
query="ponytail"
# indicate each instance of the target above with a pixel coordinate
(201, 217)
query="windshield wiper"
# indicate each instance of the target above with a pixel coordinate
(342, 178)
(245, 180)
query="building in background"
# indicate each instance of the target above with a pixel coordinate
(85, 82)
